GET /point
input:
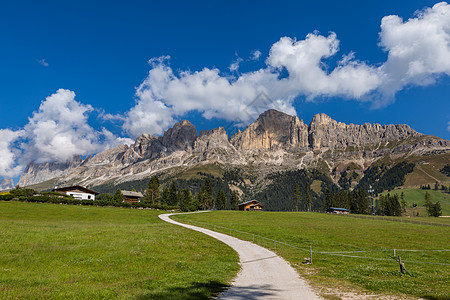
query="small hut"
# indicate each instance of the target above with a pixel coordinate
(131, 196)
(251, 205)
(336, 210)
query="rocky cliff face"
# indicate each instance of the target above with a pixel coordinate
(273, 130)
(274, 141)
(326, 132)
(6, 184)
(36, 173)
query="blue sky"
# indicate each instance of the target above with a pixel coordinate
(87, 65)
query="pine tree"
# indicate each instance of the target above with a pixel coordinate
(296, 197)
(196, 203)
(118, 196)
(308, 199)
(428, 203)
(329, 199)
(186, 200)
(206, 195)
(437, 209)
(234, 200)
(173, 194)
(165, 196)
(221, 200)
(152, 194)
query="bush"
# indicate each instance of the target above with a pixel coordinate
(6, 197)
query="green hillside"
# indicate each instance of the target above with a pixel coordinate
(51, 251)
(418, 196)
(362, 259)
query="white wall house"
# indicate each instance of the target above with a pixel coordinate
(77, 191)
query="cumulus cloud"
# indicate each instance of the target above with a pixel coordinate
(165, 95)
(418, 51)
(234, 67)
(418, 54)
(255, 55)
(8, 154)
(42, 62)
(57, 131)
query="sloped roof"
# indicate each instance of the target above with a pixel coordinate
(132, 194)
(75, 187)
(337, 208)
(251, 201)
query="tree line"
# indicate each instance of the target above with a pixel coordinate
(184, 199)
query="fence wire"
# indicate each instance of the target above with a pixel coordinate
(338, 253)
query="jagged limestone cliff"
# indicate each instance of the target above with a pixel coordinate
(274, 141)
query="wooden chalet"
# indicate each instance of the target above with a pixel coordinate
(77, 191)
(131, 196)
(251, 205)
(335, 210)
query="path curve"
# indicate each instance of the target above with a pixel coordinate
(263, 274)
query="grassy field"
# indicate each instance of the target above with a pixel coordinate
(372, 271)
(50, 251)
(418, 196)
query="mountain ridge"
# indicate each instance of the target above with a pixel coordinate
(275, 140)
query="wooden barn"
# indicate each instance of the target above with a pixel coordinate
(251, 205)
(131, 196)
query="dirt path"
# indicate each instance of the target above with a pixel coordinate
(263, 275)
(418, 167)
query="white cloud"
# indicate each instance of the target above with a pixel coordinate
(419, 48)
(418, 53)
(164, 96)
(57, 131)
(255, 55)
(234, 67)
(8, 154)
(42, 62)
(448, 128)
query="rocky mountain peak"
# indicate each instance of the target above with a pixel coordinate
(180, 137)
(35, 173)
(212, 139)
(273, 130)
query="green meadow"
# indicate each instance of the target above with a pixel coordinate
(418, 196)
(363, 257)
(51, 251)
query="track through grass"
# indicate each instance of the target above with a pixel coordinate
(373, 270)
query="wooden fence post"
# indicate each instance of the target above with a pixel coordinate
(402, 265)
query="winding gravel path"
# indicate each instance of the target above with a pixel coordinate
(263, 274)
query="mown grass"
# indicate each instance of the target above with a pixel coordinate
(418, 196)
(51, 251)
(332, 233)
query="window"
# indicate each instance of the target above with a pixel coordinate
(89, 197)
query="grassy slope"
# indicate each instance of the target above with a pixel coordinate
(418, 196)
(338, 233)
(431, 164)
(62, 251)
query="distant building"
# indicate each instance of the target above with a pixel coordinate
(335, 210)
(251, 205)
(131, 196)
(77, 191)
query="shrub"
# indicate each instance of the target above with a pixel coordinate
(6, 197)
